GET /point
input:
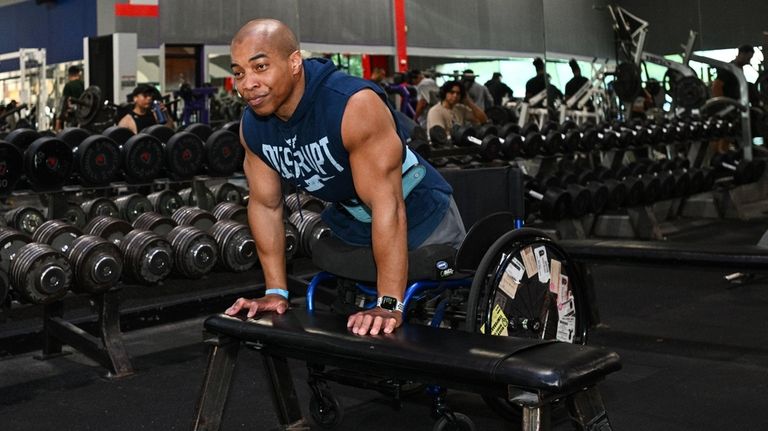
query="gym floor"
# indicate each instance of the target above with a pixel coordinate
(694, 351)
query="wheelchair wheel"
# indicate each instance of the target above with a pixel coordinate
(526, 286)
(326, 410)
(454, 422)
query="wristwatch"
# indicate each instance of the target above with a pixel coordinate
(390, 304)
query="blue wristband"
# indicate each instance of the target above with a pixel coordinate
(281, 292)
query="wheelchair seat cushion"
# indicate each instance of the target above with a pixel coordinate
(431, 262)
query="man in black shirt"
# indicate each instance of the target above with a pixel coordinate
(726, 83)
(575, 83)
(498, 89)
(538, 83)
(73, 89)
(142, 115)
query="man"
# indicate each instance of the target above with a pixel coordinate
(498, 89)
(334, 136)
(726, 83)
(455, 108)
(575, 83)
(142, 115)
(478, 93)
(73, 89)
(427, 95)
(538, 83)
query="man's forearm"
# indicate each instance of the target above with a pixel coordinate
(390, 250)
(269, 233)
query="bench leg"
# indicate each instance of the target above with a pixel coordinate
(283, 393)
(536, 418)
(588, 410)
(222, 359)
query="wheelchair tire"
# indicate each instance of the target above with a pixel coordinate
(327, 412)
(454, 422)
(530, 306)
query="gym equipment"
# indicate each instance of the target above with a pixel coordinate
(227, 192)
(165, 202)
(192, 216)
(96, 157)
(301, 201)
(743, 172)
(90, 110)
(292, 238)
(154, 222)
(10, 167)
(26, 219)
(195, 251)
(110, 228)
(130, 206)
(230, 211)
(554, 203)
(142, 158)
(48, 163)
(148, 257)
(39, 274)
(464, 143)
(184, 155)
(99, 207)
(237, 250)
(223, 153)
(120, 135)
(190, 197)
(311, 229)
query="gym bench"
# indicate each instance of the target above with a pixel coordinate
(531, 373)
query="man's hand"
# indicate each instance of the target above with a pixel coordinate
(374, 320)
(267, 303)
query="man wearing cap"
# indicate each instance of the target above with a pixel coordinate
(478, 93)
(142, 115)
(498, 89)
(575, 83)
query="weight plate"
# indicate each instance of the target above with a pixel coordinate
(154, 222)
(148, 257)
(25, 219)
(22, 138)
(184, 154)
(40, 274)
(158, 131)
(11, 240)
(99, 207)
(130, 206)
(223, 153)
(97, 264)
(190, 198)
(121, 135)
(88, 106)
(201, 130)
(10, 167)
(232, 126)
(110, 228)
(142, 158)
(97, 159)
(73, 136)
(48, 163)
(58, 234)
(165, 202)
(227, 192)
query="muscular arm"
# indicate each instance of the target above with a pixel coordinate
(265, 217)
(375, 154)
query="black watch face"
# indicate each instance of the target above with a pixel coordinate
(388, 303)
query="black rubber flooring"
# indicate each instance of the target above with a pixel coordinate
(694, 351)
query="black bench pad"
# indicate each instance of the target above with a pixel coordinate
(716, 256)
(431, 355)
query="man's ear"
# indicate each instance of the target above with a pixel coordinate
(296, 63)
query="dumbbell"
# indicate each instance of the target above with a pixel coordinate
(743, 172)
(554, 203)
(96, 157)
(227, 192)
(183, 150)
(130, 206)
(222, 150)
(580, 196)
(310, 229)
(96, 262)
(26, 219)
(99, 207)
(12, 167)
(189, 197)
(632, 188)
(236, 248)
(47, 161)
(165, 202)
(231, 211)
(599, 193)
(303, 201)
(155, 222)
(466, 142)
(38, 274)
(142, 157)
(147, 256)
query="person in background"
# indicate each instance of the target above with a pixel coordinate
(726, 83)
(455, 108)
(73, 89)
(498, 89)
(540, 82)
(142, 115)
(478, 93)
(574, 84)
(426, 93)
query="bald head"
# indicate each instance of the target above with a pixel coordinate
(270, 32)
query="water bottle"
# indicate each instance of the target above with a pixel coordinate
(159, 114)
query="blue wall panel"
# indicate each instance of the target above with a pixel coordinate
(59, 27)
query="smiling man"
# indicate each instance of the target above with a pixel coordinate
(333, 136)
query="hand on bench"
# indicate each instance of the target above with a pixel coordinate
(375, 319)
(266, 303)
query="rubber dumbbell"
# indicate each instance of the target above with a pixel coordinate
(96, 157)
(554, 203)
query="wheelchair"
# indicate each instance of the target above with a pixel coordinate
(504, 280)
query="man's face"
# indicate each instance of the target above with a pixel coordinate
(143, 101)
(743, 58)
(264, 77)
